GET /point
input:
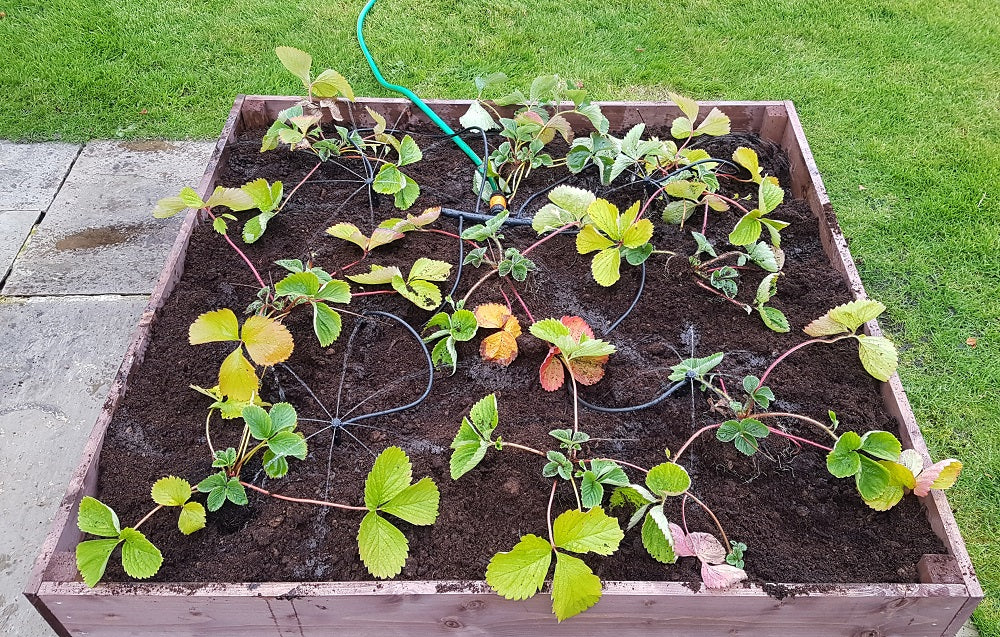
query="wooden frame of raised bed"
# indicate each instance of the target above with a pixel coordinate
(939, 605)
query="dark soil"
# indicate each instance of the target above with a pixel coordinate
(801, 524)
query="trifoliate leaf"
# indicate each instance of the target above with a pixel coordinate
(575, 588)
(92, 558)
(668, 479)
(878, 356)
(744, 434)
(140, 558)
(383, 547)
(593, 531)
(469, 450)
(845, 318)
(192, 518)
(698, 367)
(268, 342)
(97, 518)
(265, 197)
(171, 491)
(656, 536)
(211, 327)
(417, 503)
(191, 198)
(391, 473)
(520, 573)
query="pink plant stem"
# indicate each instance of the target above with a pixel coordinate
(373, 293)
(781, 433)
(451, 234)
(546, 238)
(507, 300)
(649, 201)
(693, 438)
(303, 500)
(240, 252)
(725, 539)
(520, 300)
(722, 383)
(770, 369)
(298, 185)
(704, 222)
(732, 201)
(351, 265)
(514, 445)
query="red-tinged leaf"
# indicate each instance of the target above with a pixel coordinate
(587, 370)
(492, 315)
(707, 548)
(577, 326)
(939, 475)
(717, 576)
(499, 347)
(551, 372)
(682, 547)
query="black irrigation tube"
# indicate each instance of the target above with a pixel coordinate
(335, 421)
(635, 301)
(622, 410)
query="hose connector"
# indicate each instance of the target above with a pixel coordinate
(498, 203)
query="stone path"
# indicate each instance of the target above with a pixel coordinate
(79, 255)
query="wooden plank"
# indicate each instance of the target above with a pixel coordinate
(432, 608)
(419, 608)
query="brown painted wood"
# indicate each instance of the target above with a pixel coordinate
(937, 607)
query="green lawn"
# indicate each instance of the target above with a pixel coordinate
(899, 99)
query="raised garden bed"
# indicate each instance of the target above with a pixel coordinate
(813, 542)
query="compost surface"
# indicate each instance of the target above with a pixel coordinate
(801, 525)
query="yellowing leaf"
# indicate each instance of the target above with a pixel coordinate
(429, 270)
(348, 232)
(593, 531)
(499, 347)
(638, 233)
(296, 61)
(687, 105)
(606, 266)
(604, 215)
(211, 327)
(513, 327)
(747, 158)
(329, 83)
(382, 236)
(237, 377)
(492, 315)
(171, 491)
(856, 313)
(268, 341)
(940, 475)
(192, 518)
(520, 573)
(715, 123)
(575, 588)
(878, 356)
(590, 240)
(377, 276)
(551, 374)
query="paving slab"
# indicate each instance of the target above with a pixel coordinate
(60, 356)
(98, 236)
(30, 174)
(15, 226)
